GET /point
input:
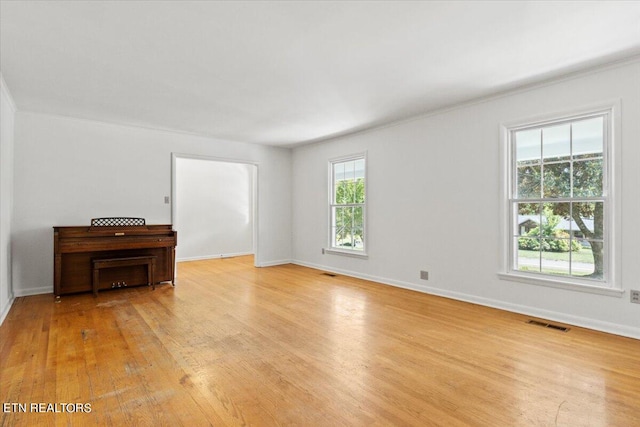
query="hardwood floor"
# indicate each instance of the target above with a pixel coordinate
(236, 345)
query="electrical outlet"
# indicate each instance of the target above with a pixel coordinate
(424, 275)
(166, 200)
(635, 296)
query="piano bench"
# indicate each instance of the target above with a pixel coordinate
(99, 264)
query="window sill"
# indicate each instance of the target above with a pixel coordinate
(352, 254)
(560, 284)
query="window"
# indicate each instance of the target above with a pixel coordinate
(347, 204)
(558, 196)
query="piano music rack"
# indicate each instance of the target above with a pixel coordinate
(117, 221)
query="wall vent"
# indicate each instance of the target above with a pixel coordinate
(548, 325)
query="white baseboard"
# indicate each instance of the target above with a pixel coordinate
(260, 264)
(215, 256)
(598, 325)
(274, 263)
(33, 291)
(6, 308)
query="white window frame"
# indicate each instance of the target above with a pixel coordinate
(331, 249)
(611, 284)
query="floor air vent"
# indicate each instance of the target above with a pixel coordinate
(548, 325)
(329, 274)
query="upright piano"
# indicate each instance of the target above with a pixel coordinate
(76, 248)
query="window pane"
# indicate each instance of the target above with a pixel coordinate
(338, 172)
(588, 137)
(587, 178)
(597, 254)
(359, 191)
(589, 219)
(338, 217)
(529, 182)
(556, 143)
(528, 254)
(527, 146)
(337, 232)
(342, 193)
(358, 238)
(555, 225)
(557, 180)
(358, 220)
(349, 171)
(582, 263)
(528, 222)
(556, 215)
(345, 238)
(348, 227)
(353, 190)
(554, 262)
(359, 168)
(342, 236)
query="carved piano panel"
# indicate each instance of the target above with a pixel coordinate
(76, 247)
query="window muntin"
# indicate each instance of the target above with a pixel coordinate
(347, 205)
(558, 199)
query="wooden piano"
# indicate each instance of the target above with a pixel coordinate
(80, 250)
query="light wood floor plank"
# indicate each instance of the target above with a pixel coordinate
(234, 345)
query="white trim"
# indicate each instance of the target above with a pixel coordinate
(551, 282)
(214, 256)
(612, 285)
(6, 309)
(274, 263)
(524, 87)
(500, 94)
(172, 131)
(598, 325)
(345, 252)
(34, 291)
(256, 171)
(561, 114)
(214, 158)
(349, 157)
(8, 197)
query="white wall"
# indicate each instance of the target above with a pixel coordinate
(7, 114)
(214, 213)
(68, 171)
(434, 202)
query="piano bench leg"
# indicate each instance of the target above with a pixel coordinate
(151, 274)
(96, 281)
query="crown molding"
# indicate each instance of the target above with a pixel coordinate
(571, 74)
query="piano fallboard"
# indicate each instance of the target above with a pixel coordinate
(75, 247)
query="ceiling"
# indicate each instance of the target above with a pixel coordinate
(287, 73)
